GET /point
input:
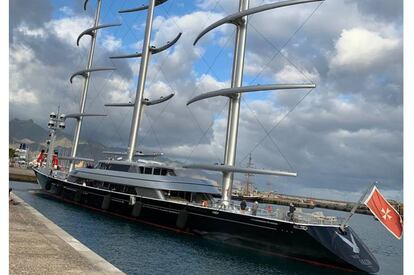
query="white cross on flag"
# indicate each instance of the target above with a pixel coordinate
(385, 213)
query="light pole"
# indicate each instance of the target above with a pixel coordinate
(56, 121)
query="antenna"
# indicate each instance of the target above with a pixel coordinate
(147, 51)
(239, 19)
(86, 74)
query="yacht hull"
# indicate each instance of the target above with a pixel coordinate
(316, 244)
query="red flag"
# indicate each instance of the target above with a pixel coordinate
(385, 213)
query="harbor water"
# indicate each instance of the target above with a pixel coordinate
(141, 249)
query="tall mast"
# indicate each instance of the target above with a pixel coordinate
(136, 117)
(239, 19)
(234, 102)
(147, 51)
(86, 74)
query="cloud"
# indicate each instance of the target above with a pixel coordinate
(67, 29)
(360, 49)
(290, 74)
(67, 11)
(111, 43)
(343, 135)
(382, 9)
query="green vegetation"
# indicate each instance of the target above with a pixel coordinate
(12, 153)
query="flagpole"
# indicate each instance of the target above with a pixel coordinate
(343, 224)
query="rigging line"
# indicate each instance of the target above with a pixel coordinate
(165, 105)
(210, 66)
(163, 55)
(268, 134)
(279, 52)
(118, 126)
(154, 132)
(277, 124)
(192, 115)
(130, 30)
(106, 80)
(202, 57)
(276, 48)
(206, 131)
(159, 67)
(287, 42)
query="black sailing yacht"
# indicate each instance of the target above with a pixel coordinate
(151, 192)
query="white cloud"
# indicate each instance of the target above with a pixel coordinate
(67, 29)
(24, 97)
(290, 74)
(111, 43)
(37, 32)
(359, 49)
(66, 11)
(20, 54)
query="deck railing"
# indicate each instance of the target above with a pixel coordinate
(279, 213)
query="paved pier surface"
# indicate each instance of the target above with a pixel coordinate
(21, 174)
(38, 246)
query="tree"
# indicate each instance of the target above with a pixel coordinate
(12, 153)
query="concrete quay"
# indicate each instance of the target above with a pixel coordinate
(21, 174)
(38, 246)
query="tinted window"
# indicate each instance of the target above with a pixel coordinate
(148, 170)
(157, 171)
(118, 167)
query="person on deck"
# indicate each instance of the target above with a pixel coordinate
(55, 161)
(291, 212)
(243, 206)
(41, 158)
(254, 208)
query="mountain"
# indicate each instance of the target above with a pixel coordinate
(27, 131)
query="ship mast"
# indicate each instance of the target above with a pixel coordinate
(234, 93)
(86, 74)
(248, 175)
(136, 117)
(234, 102)
(147, 51)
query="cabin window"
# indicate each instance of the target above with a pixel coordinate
(118, 167)
(163, 172)
(148, 170)
(157, 171)
(141, 169)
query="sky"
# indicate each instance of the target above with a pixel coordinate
(338, 137)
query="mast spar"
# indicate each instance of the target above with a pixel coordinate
(86, 74)
(147, 51)
(239, 19)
